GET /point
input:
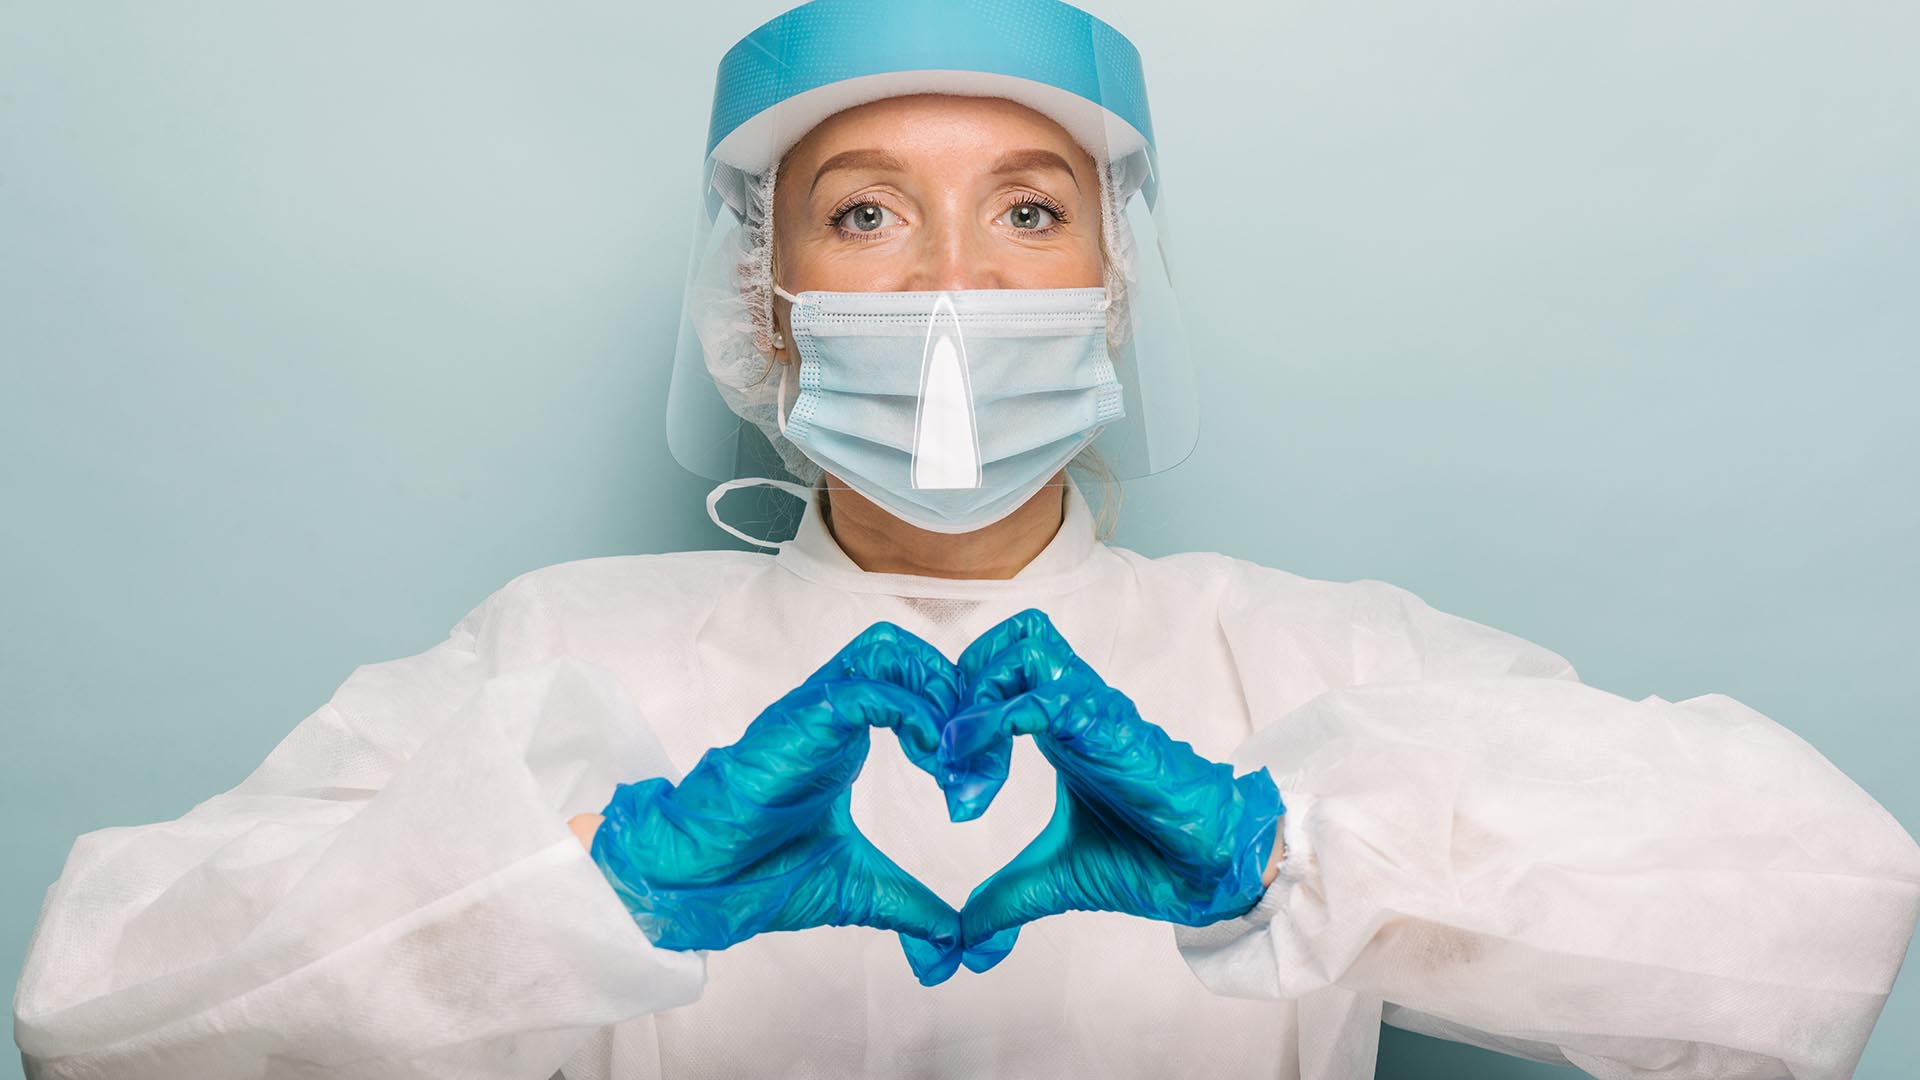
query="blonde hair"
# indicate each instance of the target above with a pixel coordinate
(1094, 472)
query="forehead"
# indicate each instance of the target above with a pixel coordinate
(940, 127)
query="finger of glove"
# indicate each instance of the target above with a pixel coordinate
(931, 964)
(878, 893)
(1022, 653)
(984, 956)
(1031, 624)
(884, 652)
(976, 747)
(1133, 773)
(795, 756)
(791, 763)
(721, 896)
(1026, 889)
(915, 720)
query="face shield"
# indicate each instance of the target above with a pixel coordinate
(950, 394)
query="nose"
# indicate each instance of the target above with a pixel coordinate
(955, 252)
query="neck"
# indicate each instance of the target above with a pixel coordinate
(880, 543)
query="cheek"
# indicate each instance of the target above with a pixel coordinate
(1075, 267)
(812, 258)
(841, 266)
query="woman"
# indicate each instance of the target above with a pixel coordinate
(928, 284)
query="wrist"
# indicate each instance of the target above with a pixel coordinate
(584, 826)
(1279, 855)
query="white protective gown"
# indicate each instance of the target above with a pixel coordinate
(1480, 847)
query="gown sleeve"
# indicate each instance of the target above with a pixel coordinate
(392, 893)
(1503, 856)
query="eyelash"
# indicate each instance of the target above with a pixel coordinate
(839, 215)
(1051, 206)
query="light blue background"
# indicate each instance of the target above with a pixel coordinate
(1595, 321)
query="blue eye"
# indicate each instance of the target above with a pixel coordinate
(865, 217)
(1030, 217)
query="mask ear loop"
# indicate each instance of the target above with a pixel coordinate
(798, 491)
(780, 398)
(713, 505)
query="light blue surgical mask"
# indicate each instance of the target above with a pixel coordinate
(948, 409)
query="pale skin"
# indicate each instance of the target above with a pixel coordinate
(935, 192)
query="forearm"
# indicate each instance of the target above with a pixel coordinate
(368, 937)
(1542, 861)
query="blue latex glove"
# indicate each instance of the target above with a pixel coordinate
(758, 837)
(1142, 824)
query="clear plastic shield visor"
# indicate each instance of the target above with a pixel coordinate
(955, 388)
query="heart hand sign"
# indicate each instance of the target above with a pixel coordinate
(758, 836)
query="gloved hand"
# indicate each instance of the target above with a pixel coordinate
(1142, 824)
(758, 837)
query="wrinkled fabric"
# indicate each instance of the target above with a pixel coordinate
(1477, 845)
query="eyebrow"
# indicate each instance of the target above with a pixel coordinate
(1011, 163)
(1035, 160)
(857, 159)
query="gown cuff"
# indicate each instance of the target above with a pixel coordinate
(1294, 865)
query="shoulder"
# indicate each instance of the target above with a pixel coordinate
(1352, 631)
(667, 578)
(571, 606)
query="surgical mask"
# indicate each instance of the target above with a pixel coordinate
(949, 409)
